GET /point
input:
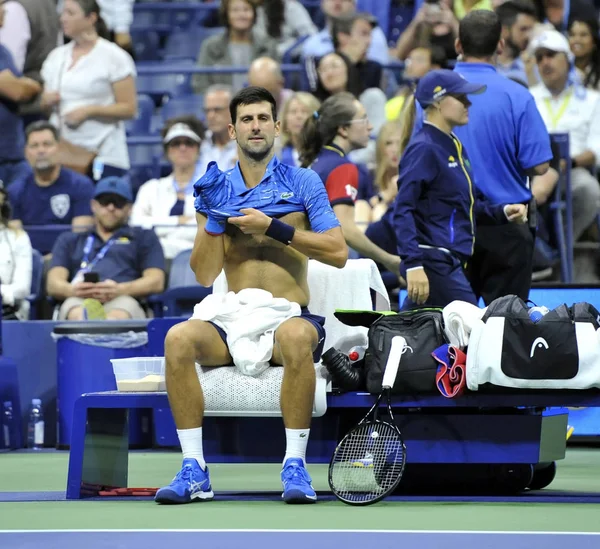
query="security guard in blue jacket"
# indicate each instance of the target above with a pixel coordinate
(437, 202)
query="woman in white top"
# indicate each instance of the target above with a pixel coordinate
(15, 265)
(89, 85)
(168, 203)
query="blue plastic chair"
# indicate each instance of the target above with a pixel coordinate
(183, 291)
(146, 44)
(43, 236)
(141, 124)
(37, 272)
(562, 209)
(180, 106)
(185, 44)
(160, 85)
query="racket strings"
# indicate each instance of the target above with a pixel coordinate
(368, 463)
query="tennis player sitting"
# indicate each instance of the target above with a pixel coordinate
(256, 250)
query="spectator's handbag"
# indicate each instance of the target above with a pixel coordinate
(423, 330)
(508, 349)
(75, 157)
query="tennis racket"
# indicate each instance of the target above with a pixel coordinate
(368, 463)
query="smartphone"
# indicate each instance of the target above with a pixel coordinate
(91, 277)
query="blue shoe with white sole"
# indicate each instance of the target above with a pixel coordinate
(191, 483)
(297, 487)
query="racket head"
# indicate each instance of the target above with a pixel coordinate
(368, 463)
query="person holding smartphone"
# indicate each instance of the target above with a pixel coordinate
(437, 204)
(105, 273)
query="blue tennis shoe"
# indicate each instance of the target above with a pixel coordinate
(191, 483)
(297, 487)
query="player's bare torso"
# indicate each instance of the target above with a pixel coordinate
(258, 261)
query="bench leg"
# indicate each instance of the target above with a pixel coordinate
(99, 450)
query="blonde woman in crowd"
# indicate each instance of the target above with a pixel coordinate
(387, 155)
(296, 110)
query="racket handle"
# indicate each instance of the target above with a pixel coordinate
(393, 362)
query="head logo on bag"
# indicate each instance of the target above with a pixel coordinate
(537, 344)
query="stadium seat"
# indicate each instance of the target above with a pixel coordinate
(146, 44)
(141, 124)
(183, 291)
(160, 85)
(43, 236)
(180, 106)
(144, 154)
(145, 163)
(185, 44)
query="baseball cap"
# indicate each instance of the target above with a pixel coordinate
(181, 130)
(554, 41)
(437, 84)
(114, 185)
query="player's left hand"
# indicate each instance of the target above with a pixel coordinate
(516, 213)
(251, 222)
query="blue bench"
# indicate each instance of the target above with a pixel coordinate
(474, 429)
(525, 428)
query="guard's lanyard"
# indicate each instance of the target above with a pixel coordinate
(556, 116)
(86, 264)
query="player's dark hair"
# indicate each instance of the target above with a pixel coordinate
(250, 96)
(322, 127)
(479, 33)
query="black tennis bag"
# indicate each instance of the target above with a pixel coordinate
(423, 330)
(508, 349)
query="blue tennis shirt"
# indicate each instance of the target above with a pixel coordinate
(505, 136)
(283, 189)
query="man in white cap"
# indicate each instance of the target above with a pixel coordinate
(568, 107)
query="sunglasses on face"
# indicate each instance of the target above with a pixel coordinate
(539, 56)
(106, 200)
(176, 143)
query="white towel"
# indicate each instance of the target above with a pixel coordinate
(249, 318)
(331, 289)
(348, 288)
(459, 319)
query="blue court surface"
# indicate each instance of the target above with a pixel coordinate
(294, 539)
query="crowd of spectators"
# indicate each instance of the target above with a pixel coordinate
(69, 90)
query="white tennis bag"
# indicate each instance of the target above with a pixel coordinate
(560, 351)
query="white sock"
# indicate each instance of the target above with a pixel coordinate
(296, 442)
(191, 445)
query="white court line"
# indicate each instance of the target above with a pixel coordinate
(311, 531)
